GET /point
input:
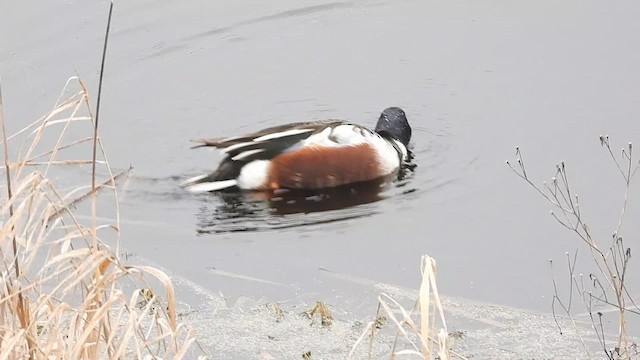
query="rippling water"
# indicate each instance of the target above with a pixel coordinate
(228, 212)
(476, 80)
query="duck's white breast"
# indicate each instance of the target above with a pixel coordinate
(254, 175)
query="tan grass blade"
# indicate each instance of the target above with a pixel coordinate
(68, 299)
(423, 339)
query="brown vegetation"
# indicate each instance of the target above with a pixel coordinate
(65, 292)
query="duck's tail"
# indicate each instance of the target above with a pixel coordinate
(206, 183)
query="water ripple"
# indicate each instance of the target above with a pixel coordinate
(242, 211)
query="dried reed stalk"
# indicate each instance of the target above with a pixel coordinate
(64, 291)
(423, 339)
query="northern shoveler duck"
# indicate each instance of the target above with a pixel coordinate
(308, 155)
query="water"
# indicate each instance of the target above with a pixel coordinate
(476, 80)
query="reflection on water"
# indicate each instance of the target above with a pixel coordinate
(234, 211)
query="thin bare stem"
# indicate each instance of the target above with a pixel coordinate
(75, 202)
(8, 180)
(95, 131)
(23, 310)
(611, 262)
(604, 141)
(373, 329)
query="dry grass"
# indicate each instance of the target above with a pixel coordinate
(606, 288)
(426, 338)
(65, 293)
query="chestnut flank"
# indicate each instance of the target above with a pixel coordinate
(318, 167)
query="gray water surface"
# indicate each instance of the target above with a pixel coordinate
(476, 79)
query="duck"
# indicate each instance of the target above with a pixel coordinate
(310, 155)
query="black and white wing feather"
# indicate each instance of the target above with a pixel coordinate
(267, 143)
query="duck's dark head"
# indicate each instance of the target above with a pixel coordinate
(393, 124)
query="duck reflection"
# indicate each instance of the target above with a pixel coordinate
(231, 211)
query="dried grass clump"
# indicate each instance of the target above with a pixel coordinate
(604, 292)
(427, 338)
(64, 292)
